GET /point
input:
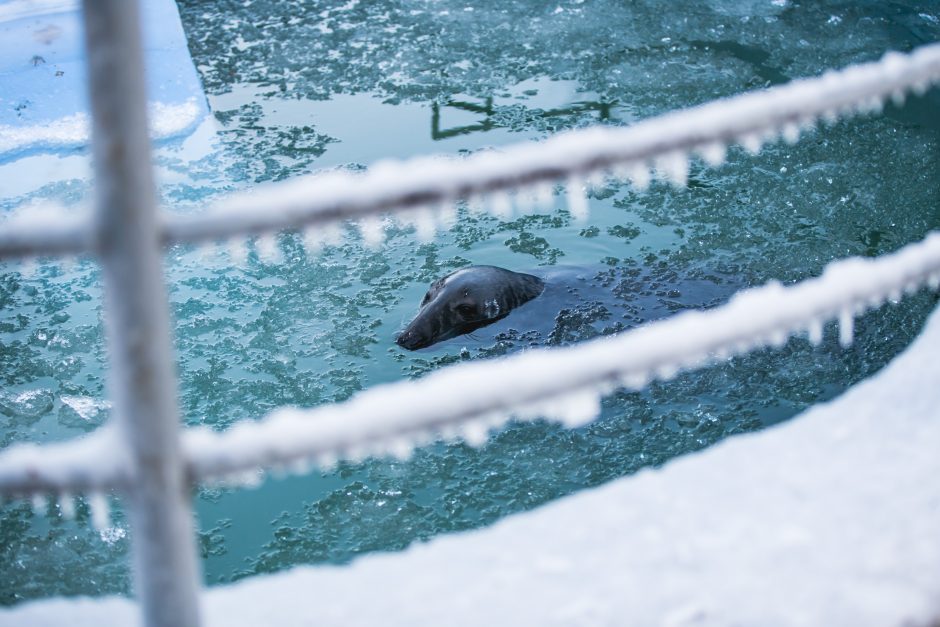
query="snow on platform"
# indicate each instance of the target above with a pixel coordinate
(43, 75)
(832, 518)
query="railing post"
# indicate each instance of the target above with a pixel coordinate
(142, 377)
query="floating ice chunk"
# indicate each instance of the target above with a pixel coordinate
(112, 534)
(846, 327)
(373, 232)
(86, 407)
(100, 511)
(268, 249)
(577, 200)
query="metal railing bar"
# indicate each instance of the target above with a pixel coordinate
(393, 186)
(141, 374)
(393, 418)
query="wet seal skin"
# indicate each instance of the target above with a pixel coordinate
(466, 300)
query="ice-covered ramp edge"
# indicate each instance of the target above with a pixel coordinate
(828, 519)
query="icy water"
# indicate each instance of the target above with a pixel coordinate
(299, 86)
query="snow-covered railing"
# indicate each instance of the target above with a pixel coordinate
(563, 384)
(425, 184)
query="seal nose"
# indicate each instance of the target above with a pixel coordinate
(409, 340)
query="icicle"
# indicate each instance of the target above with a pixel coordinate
(66, 506)
(815, 331)
(920, 87)
(911, 287)
(667, 372)
(639, 175)
(207, 252)
(846, 327)
(635, 380)
(268, 250)
(29, 268)
(425, 228)
(791, 133)
(332, 234)
(898, 97)
(40, 504)
(675, 166)
(446, 215)
(875, 104)
(500, 205)
(300, 466)
(577, 409)
(449, 432)
(830, 116)
(714, 153)
(544, 196)
(752, 142)
(373, 233)
(475, 433)
(313, 241)
(595, 180)
(933, 281)
(100, 511)
(577, 200)
(777, 338)
(68, 263)
(401, 449)
(238, 250)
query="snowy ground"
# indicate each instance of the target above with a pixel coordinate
(828, 519)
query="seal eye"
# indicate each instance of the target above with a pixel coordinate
(466, 311)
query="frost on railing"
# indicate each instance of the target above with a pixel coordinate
(522, 175)
(562, 384)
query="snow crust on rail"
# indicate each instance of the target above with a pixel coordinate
(467, 400)
(829, 519)
(426, 184)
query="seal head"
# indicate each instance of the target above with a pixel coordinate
(466, 300)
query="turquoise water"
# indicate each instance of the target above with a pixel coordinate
(295, 87)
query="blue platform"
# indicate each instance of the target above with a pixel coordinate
(43, 75)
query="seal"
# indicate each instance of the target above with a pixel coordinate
(466, 300)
